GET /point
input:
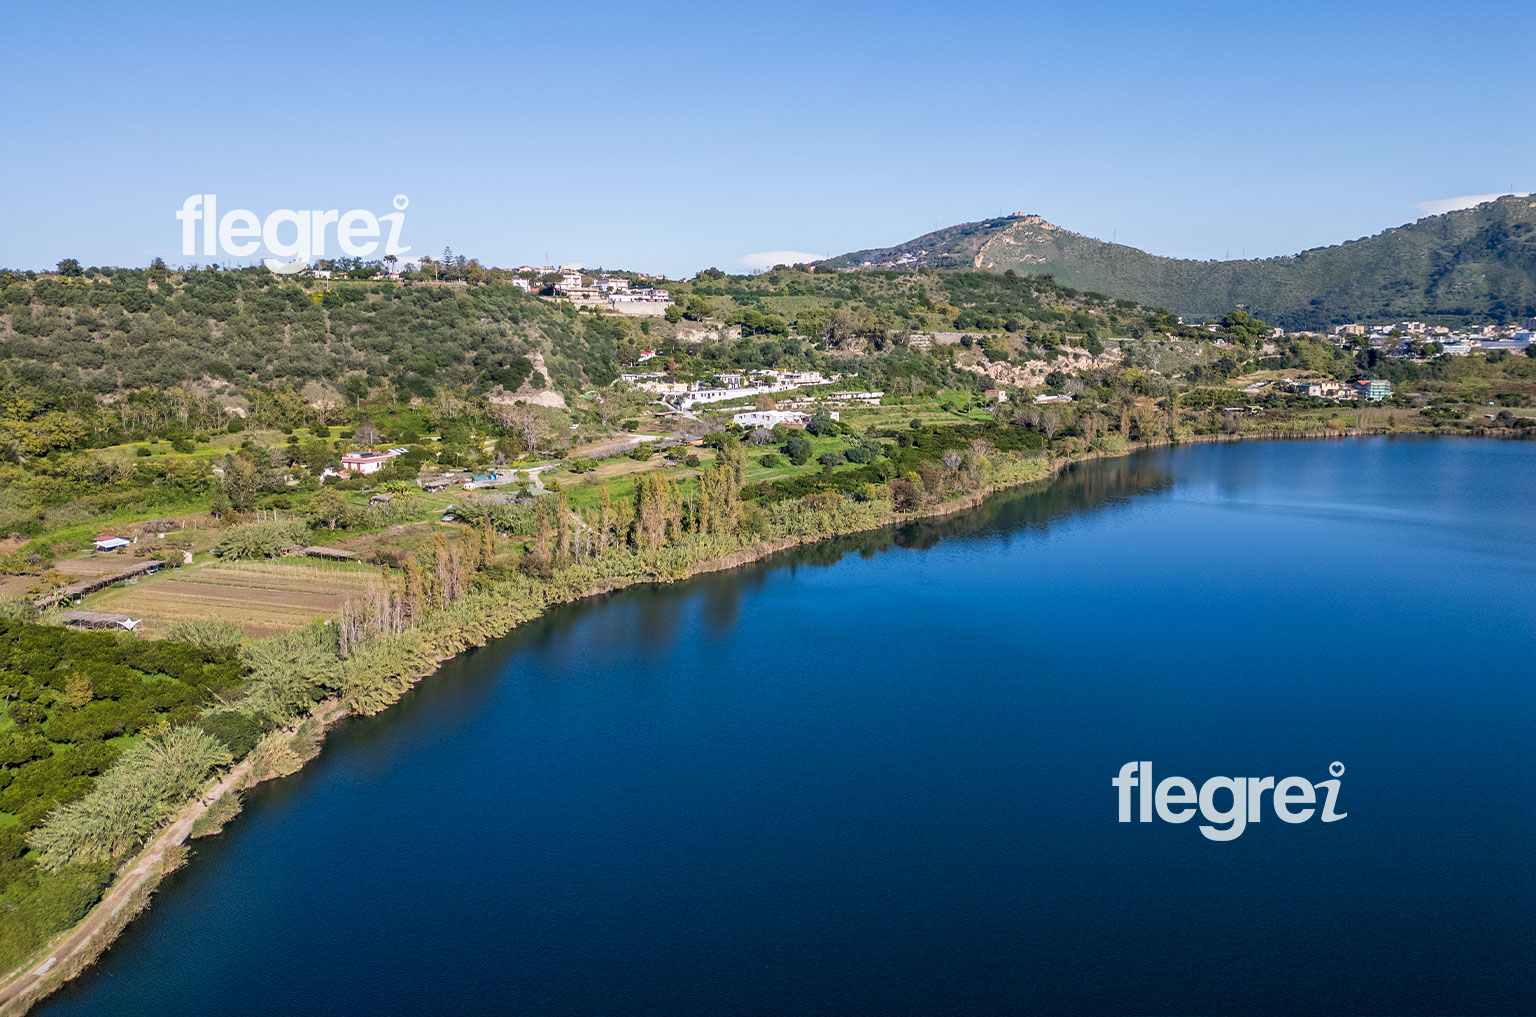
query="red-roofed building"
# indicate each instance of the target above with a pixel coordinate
(365, 462)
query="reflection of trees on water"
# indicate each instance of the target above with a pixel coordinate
(1079, 488)
(647, 620)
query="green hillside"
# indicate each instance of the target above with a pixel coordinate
(1473, 265)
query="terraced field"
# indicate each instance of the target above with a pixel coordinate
(263, 598)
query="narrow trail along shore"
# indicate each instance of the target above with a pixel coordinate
(145, 865)
(78, 947)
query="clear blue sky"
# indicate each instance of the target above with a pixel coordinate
(671, 138)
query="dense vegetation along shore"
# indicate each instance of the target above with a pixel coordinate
(386, 659)
(193, 424)
(318, 675)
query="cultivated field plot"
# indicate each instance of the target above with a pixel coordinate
(91, 566)
(263, 598)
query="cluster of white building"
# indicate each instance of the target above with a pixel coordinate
(573, 285)
(1412, 338)
(773, 418)
(1371, 389)
(730, 385)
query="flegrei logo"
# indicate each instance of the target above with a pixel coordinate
(292, 238)
(1175, 800)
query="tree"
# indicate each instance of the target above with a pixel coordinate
(367, 433)
(798, 448)
(526, 423)
(328, 507)
(821, 424)
(77, 689)
(69, 267)
(241, 482)
(652, 496)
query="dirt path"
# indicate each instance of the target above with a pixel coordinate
(99, 927)
(123, 890)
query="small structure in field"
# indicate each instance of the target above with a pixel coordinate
(111, 543)
(98, 620)
(80, 589)
(334, 553)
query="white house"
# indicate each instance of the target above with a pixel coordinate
(663, 387)
(110, 543)
(365, 462)
(771, 418)
(570, 282)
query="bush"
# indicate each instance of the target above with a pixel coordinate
(28, 713)
(39, 909)
(863, 452)
(146, 786)
(770, 459)
(238, 731)
(821, 425)
(830, 459)
(205, 633)
(262, 540)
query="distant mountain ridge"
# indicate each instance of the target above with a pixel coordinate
(1472, 265)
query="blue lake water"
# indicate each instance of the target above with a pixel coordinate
(873, 777)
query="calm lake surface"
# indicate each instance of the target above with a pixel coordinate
(873, 777)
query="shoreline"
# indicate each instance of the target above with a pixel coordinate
(75, 949)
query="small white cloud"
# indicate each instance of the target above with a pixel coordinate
(767, 259)
(1442, 205)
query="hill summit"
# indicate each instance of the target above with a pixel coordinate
(1472, 265)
